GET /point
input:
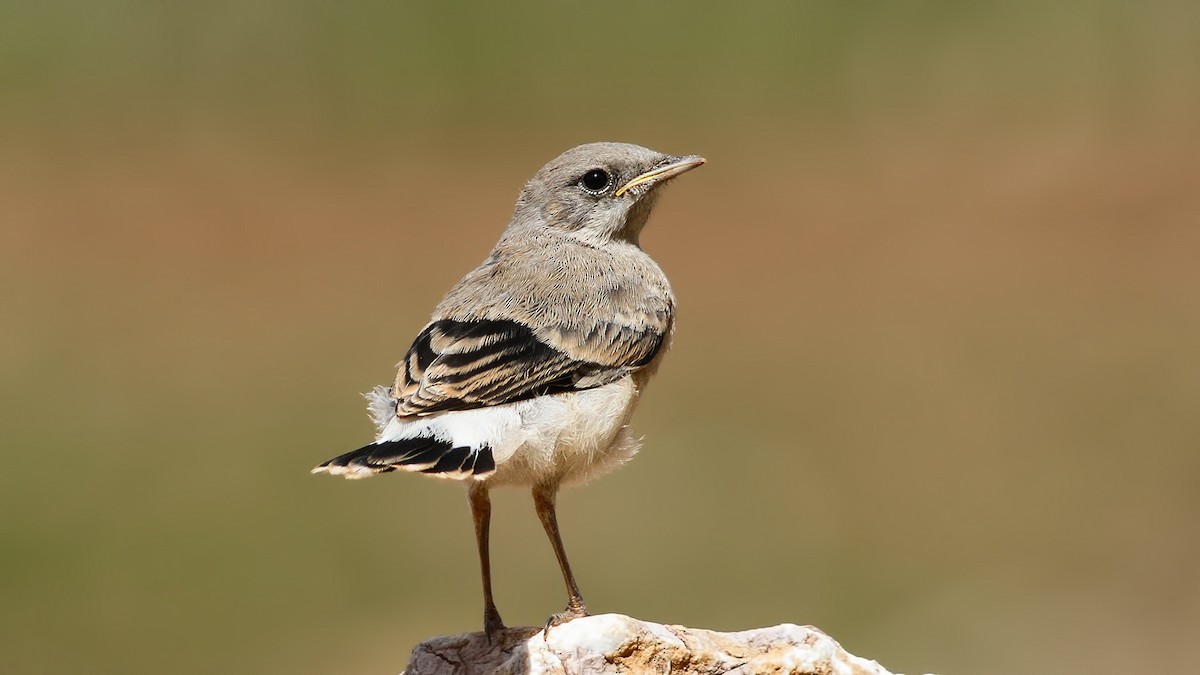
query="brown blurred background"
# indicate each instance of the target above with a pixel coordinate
(934, 388)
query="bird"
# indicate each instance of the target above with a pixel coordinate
(530, 367)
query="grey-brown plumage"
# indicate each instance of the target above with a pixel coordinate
(531, 366)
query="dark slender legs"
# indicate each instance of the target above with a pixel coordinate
(543, 501)
(481, 511)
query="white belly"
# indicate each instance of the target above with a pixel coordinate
(564, 438)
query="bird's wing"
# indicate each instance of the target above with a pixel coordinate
(459, 365)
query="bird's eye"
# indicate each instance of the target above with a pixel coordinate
(595, 180)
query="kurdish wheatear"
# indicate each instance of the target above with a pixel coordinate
(531, 366)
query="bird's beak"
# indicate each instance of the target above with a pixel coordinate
(673, 167)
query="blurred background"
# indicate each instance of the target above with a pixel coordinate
(934, 388)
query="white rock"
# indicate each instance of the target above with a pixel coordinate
(613, 643)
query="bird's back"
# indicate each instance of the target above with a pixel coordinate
(552, 279)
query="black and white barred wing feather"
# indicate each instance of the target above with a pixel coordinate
(461, 388)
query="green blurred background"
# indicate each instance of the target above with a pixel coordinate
(934, 388)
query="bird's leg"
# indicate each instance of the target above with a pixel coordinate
(544, 501)
(481, 511)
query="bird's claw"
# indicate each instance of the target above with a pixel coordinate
(571, 613)
(493, 625)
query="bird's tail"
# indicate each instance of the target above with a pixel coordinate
(423, 454)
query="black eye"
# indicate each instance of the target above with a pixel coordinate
(595, 180)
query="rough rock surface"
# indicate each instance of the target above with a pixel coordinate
(612, 643)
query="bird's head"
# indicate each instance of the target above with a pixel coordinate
(600, 191)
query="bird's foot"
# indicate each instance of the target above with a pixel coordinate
(572, 612)
(493, 625)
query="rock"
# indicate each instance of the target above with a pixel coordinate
(612, 643)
